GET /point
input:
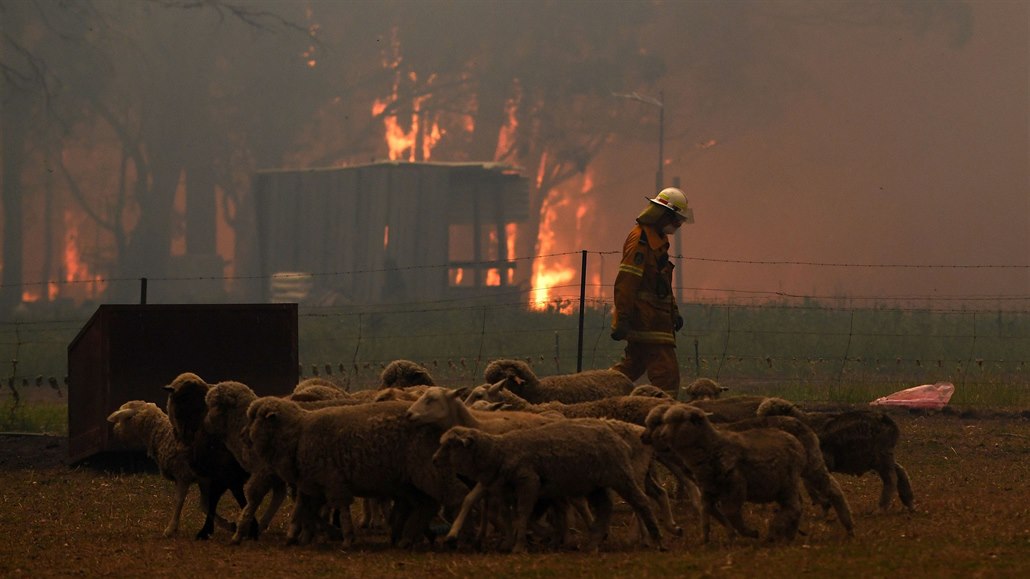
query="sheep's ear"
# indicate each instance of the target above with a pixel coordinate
(455, 394)
(168, 388)
(723, 388)
(496, 387)
(121, 414)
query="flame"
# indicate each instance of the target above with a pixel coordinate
(404, 144)
(75, 268)
(551, 272)
(506, 137)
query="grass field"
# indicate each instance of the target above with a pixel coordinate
(970, 473)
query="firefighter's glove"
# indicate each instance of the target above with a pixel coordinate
(621, 329)
(677, 324)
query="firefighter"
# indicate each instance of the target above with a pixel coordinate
(646, 314)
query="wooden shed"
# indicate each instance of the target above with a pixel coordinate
(393, 231)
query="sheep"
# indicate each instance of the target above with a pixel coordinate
(334, 454)
(759, 465)
(729, 409)
(631, 409)
(410, 393)
(822, 487)
(138, 421)
(703, 389)
(226, 418)
(443, 409)
(404, 373)
(651, 391)
(315, 389)
(855, 442)
(209, 458)
(559, 460)
(579, 387)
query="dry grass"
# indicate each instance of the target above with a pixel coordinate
(971, 478)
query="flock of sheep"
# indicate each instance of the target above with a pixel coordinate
(515, 461)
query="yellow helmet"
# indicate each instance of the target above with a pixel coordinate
(674, 200)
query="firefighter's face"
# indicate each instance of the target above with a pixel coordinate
(671, 223)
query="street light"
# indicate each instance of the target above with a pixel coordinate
(657, 102)
(677, 247)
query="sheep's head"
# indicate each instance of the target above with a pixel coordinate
(186, 405)
(477, 394)
(652, 427)
(685, 425)
(129, 419)
(455, 451)
(224, 401)
(267, 417)
(778, 407)
(436, 406)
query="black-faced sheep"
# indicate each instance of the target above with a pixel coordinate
(703, 389)
(226, 418)
(209, 458)
(579, 387)
(560, 460)
(760, 465)
(139, 422)
(332, 455)
(855, 442)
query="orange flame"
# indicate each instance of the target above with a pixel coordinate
(404, 144)
(75, 268)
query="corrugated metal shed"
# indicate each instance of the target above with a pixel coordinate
(373, 228)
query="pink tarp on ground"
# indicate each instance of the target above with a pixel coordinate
(931, 396)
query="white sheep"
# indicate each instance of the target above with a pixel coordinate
(759, 465)
(855, 442)
(333, 454)
(559, 460)
(579, 387)
(226, 418)
(631, 409)
(140, 422)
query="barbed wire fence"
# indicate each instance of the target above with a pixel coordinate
(769, 340)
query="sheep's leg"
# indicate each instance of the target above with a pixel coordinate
(710, 510)
(784, 524)
(840, 504)
(889, 477)
(527, 489)
(635, 497)
(601, 506)
(418, 520)
(663, 507)
(278, 496)
(256, 488)
(470, 501)
(209, 496)
(904, 486)
(731, 503)
(182, 488)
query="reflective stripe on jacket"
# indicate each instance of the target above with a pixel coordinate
(643, 288)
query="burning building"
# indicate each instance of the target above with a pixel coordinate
(391, 232)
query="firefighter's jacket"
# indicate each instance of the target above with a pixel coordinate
(644, 303)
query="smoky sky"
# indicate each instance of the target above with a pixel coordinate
(839, 133)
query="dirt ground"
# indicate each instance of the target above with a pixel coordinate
(970, 473)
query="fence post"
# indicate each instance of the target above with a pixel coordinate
(582, 298)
